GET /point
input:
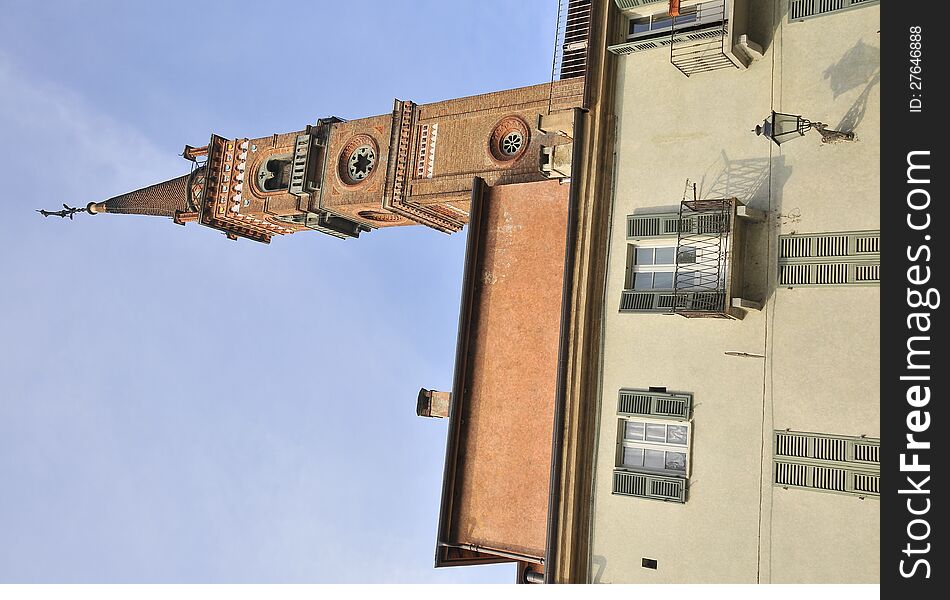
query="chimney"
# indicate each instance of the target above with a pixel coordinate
(432, 403)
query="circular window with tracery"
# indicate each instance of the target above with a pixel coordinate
(509, 139)
(358, 159)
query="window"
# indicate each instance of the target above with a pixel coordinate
(653, 434)
(509, 139)
(357, 160)
(660, 23)
(274, 173)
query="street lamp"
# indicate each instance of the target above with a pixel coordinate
(781, 127)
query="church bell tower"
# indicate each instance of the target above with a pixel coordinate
(413, 166)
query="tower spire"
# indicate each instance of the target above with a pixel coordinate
(165, 199)
(159, 200)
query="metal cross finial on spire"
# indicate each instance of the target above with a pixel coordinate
(66, 212)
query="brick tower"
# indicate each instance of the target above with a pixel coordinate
(412, 166)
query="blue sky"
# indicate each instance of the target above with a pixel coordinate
(177, 407)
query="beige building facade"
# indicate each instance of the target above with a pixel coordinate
(744, 448)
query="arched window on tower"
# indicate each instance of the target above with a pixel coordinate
(274, 173)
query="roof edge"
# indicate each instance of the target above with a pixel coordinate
(461, 366)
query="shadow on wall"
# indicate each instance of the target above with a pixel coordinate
(763, 22)
(747, 179)
(856, 112)
(758, 183)
(600, 562)
(760, 255)
(860, 65)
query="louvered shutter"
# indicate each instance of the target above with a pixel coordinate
(817, 446)
(654, 404)
(653, 487)
(658, 225)
(831, 259)
(652, 301)
(847, 465)
(827, 479)
(299, 168)
(639, 46)
(806, 9)
(624, 4)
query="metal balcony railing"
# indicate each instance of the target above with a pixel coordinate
(701, 276)
(699, 43)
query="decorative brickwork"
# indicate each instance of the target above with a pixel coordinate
(376, 215)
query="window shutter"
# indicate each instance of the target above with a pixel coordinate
(631, 47)
(816, 446)
(847, 258)
(654, 404)
(805, 9)
(847, 465)
(654, 487)
(624, 4)
(658, 225)
(827, 479)
(299, 167)
(650, 301)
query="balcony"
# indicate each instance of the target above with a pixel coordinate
(692, 276)
(705, 36)
(702, 47)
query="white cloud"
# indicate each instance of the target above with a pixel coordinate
(56, 139)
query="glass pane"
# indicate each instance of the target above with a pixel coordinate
(639, 25)
(633, 431)
(656, 433)
(686, 255)
(661, 22)
(644, 256)
(632, 457)
(676, 461)
(687, 15)
(643, 281)
(654, 459)
(663, 281)
(676, 434)
(665, 256)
